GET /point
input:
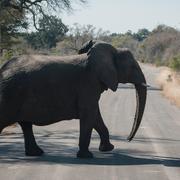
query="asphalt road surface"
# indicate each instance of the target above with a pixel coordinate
(154, 154)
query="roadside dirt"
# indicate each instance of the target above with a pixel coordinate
(169, 81)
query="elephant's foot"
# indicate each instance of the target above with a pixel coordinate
(106, 147)
(84, 154)
(34, 151)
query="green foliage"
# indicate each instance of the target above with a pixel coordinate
(164, 28)
(158, 62)
(6, 56)
(19, 47)
(161, 45)
(141, 34)
(125, 41)
(10, 21)
(175, 63)
(52, 31)
(37, 8)
(16, 14)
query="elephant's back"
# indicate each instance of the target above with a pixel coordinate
(32, 63)
(36, 85)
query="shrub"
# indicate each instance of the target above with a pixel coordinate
(175, 63)
(7, 55)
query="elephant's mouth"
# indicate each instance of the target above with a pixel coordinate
(141, 93)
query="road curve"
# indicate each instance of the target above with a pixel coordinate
(153, 154)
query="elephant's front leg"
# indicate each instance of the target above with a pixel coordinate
(31, 148)
(103, 132)
(87, 119)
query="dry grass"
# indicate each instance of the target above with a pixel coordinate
(170, 82)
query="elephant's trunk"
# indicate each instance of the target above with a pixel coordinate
(141, 92)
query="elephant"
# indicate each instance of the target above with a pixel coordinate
(42, 90)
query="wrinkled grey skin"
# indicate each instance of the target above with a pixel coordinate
(41, 90)
(127, 71)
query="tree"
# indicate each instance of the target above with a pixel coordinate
(38, 8)
(125, 41)
(10, 21)
(51, 31)
(161, 45)
(78, 35)
(164, 28)
(16, 14)
(141, 34)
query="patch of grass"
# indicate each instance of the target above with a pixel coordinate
(175, 63)
(6, 56)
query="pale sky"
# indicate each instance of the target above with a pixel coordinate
(122, 15)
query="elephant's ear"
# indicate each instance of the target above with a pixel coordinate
(101, 59)
(85, 48)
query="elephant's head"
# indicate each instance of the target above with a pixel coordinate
(114, 66)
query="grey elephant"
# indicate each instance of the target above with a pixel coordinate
(41, 90)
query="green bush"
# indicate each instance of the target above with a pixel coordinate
(175, 63)
(6, 56)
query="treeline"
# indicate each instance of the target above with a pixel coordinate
(160, 46)
(49, 35)
(17, 16)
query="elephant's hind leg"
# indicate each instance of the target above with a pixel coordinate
(103, 132)
(1, 127)
(31, 147)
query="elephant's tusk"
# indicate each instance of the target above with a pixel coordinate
(145, 85)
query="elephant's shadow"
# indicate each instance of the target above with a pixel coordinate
(12, 151)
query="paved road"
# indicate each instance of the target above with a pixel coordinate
(154, 153)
